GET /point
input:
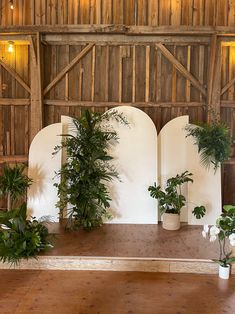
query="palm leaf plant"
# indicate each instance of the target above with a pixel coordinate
(213, 141)
(21, 238)
(82, 189)
(13, 183)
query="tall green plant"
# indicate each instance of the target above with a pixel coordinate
(87, 169)
(13, 183)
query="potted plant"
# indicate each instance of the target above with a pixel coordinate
(87, 168)
(223, 230)
(13, 183)
(213, 141)
(21, 238)
(171, 200)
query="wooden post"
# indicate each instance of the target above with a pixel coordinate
(214, 84)
(36, 110)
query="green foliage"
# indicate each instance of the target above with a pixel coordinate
(225, 261)
(87, 169)
(226, 222)
(199, 211)
(21, 238)
(226, 226)
(213, 141)
(14, 183)
(171, 200)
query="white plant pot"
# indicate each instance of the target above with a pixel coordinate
(171, 221)
(224, 272)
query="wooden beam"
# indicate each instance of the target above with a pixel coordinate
(36, 110)
(14, 102)
(14, 30)
(167, 54)
(72, 103)
(68, 68)
(120, 29)
(120, 39)
(212, 60)
(33, 50)
(227, 86)
(227, 104)
(15, 75)
(13, 159)
(216, 89)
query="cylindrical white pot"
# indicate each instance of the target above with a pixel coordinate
(171, 221)
(224, 272)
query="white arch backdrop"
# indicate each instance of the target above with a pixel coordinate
(138, 163)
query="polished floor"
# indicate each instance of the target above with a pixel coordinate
(82, 292)
(142, 241)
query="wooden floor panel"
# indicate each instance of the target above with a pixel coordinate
(130, 240)
(83, 292)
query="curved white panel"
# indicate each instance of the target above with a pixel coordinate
(205, 190)
(172, 154)
(42, 195)
(177, 154)
(136, 162)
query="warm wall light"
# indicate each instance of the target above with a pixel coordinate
(11, 4)
(10, 46)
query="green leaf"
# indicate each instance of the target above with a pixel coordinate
(199, 211)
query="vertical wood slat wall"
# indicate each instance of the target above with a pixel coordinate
(128, 12)
(132, 74)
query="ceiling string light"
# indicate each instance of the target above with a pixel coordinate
(11, 4)
(10, 46)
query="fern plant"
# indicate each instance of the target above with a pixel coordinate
(13, 183)
(87, 169)
(21, 238)
(213, 141)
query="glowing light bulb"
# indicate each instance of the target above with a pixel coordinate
(11, 5)
(11, 46)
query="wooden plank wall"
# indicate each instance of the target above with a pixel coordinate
(128, 12)
(134, 74)
(14, 102)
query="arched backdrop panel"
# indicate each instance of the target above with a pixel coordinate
(177, 153)
(135, 157)
(172, 154)
(42, 194)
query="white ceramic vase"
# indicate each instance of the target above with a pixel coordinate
(224, 272)
(171, 221)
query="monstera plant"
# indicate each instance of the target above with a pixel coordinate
(83, 190)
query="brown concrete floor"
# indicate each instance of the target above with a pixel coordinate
(82, 292)
(116, 240)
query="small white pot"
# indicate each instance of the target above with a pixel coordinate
(171, 221)
(224, 272)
